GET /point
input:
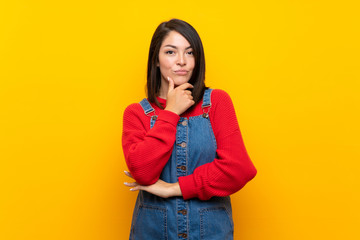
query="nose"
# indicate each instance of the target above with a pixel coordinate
(181, 61)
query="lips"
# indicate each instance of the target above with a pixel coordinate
(181, 72)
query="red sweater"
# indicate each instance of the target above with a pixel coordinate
(148, 150)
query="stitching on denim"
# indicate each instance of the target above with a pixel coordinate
(203, 212)
(163, 210)
(212, 133)
(165, 225)
(202, 232)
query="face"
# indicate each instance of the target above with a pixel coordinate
(176, 59)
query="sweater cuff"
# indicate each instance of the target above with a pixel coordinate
(168, 116)
(188, 187)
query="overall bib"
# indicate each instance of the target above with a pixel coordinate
(175, 218)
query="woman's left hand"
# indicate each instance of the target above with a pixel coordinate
(160, 188)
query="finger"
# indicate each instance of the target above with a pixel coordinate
(137, 188)
(171, 84)
(128, 174)
(185, 86)
(131, 184)
(188, 92)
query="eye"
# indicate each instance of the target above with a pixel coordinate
(170, 52)
(190, 53)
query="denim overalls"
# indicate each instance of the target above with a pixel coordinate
(175, 218)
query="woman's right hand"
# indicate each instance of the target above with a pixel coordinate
(179, 99)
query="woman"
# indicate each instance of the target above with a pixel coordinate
(183, 145)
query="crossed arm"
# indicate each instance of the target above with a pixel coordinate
(178, 101)
(159, 188)
(147, 151)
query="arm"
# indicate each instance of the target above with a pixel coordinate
(160, 188)
(232, 168)
(147, 150)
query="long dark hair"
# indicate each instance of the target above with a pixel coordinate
(153, 71)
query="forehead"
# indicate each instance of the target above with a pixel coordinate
(175, 39)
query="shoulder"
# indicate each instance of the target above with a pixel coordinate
(219, 96)
(134, 117)
(133, 110)
(134, 107)
(222, 114)
(221, 103)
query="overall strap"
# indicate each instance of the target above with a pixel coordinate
(148, 109)
(206, 102)
(146, 106)
(207, 98)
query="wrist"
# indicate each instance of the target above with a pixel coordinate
(170, 110)
(175, 190)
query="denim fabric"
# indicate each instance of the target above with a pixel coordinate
(175, 218)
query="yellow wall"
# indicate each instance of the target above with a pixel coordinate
(69, 68)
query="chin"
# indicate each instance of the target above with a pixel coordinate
(178, 81)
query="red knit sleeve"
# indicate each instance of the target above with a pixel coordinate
(147, 150)
(232, 168)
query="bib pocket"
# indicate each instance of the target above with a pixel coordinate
(215, 224)
(150, 223)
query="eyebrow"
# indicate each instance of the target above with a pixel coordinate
(172, 46)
